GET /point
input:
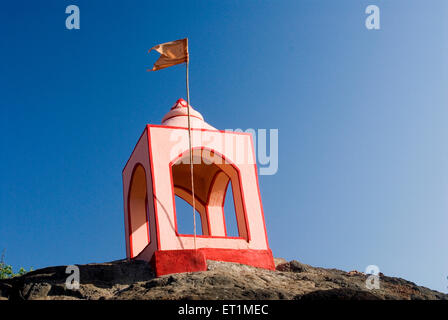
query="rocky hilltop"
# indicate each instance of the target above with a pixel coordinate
(135, 280)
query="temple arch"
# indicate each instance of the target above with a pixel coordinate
(212, 175)
(139, 234)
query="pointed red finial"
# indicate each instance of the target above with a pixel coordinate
(180, 103)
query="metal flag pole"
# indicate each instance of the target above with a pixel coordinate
(191, 151)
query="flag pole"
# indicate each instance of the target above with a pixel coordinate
(191, 150)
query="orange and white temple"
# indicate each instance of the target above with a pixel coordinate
(159, 169)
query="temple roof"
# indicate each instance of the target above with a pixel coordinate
(178, 117)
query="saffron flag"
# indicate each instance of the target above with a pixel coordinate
(171, 53)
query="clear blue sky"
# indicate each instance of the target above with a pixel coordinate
(362, 118)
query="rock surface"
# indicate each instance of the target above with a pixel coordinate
(223, 280)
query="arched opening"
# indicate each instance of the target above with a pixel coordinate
(185, 213)
(229, 213)
(138, 221)
(212, 176)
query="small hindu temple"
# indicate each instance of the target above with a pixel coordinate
(158, 170)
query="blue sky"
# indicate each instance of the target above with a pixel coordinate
(363, 153)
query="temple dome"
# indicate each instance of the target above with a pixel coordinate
(178, 117)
